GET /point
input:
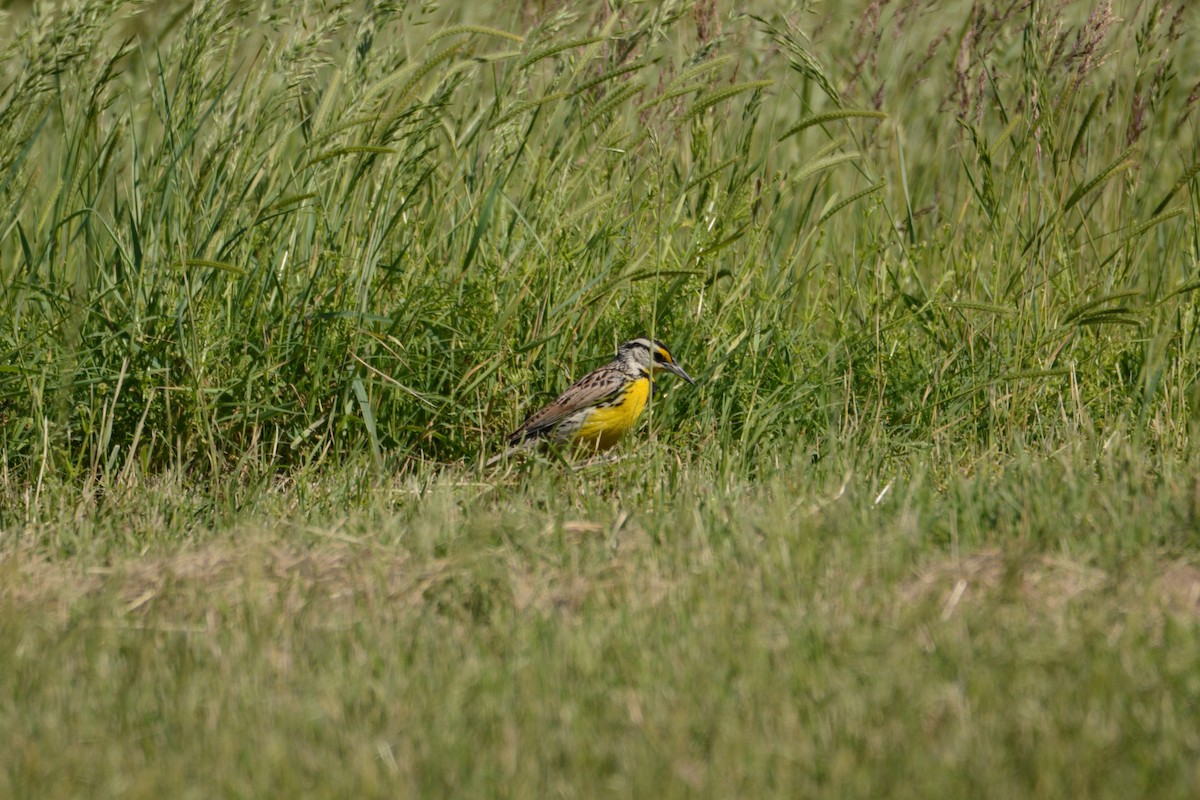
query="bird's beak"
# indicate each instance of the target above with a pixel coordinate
(675, 369)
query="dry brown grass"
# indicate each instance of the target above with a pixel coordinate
(1047, 583)
(338, 577)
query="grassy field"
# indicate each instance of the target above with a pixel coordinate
(278, 277)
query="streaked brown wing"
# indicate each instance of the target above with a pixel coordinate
(592, 388)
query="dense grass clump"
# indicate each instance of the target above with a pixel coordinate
(276, 277)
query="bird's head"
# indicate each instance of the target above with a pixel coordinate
(648, 356)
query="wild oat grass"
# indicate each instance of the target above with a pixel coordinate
(278, 277)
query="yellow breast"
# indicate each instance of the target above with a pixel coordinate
(605, 425)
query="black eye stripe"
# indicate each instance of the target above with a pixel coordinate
(657, 350)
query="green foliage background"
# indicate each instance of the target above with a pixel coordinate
(279, 233)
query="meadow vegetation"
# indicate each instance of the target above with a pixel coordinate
(275, 278)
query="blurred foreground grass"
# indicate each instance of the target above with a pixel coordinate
(1030, 631)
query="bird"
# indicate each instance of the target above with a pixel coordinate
(595, 411)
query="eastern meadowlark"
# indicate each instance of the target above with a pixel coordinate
(596, 410)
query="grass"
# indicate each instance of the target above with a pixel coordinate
(276, 280)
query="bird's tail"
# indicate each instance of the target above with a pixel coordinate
(508, 452)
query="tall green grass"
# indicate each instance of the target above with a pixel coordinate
(265, 237)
